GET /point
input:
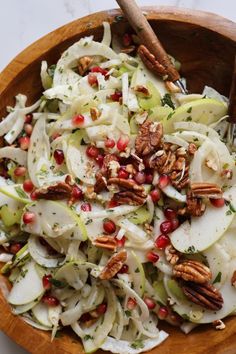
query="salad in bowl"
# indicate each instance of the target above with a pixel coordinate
(117, 201)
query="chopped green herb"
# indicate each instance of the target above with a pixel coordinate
(87, 337)
(137, 344)
(190, 250)
(189, 110)
(217, 278)
(128, 313)
(167, 100)
(119, 18)
(137, 270)
(57, 283)
(188, 119)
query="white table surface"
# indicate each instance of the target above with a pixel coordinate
(24, 21)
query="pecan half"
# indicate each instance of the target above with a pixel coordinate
(95, 113)
(218, 324)
(171, 87)
(106, 242)
(205, 295)
(233, 279)
(142, 91)
(56, 191)
(210, 190)
(192, 148)
(149, 137)
(151, 62)
(113, 265)
(83, 64)
(195, 206)
(103, 174)
(130, 192)
(172, 255)
(193, 271)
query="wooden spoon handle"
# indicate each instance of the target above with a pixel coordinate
(147, 36)
(232, 98)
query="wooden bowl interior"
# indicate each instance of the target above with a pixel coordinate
(207, 58)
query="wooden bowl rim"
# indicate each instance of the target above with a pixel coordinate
(13, 326)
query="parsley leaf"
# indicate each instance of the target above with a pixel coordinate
(167, 100)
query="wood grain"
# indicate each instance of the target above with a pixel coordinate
(206, 46)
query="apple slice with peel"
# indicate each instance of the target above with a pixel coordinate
(204, 231)
(218, 260)
(54, 219)
(205, 111)
(27, 287)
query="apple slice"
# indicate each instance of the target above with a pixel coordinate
(40, 313)
(205, 111)
(27, 287)
(204, 231)
(54, 219)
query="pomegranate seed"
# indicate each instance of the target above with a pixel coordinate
(149, 178)
(131, 303)
(170, 213)
(166, 227)
(175, 224)
(99, 160)
(24, 142)
(110, 143)
(123, 174)
(78, 120)
(150, 303)
(20, 171)
(28, 128)
(112, 204)
(15, 248)
(28, 217)
(218, 203)
(98, 69)
(92, 80)
(122, 143)
(86, 207)
(140, 177)
(155, 195)
(116, 96)
(59, 156)
(162, 312)
(28, 118)
(92, 151)
(109, 226)
(164, 180)
(127, 39)
(121, 242)
(76, 192)
(28, 186)
(50, 300)
(152, 257)
(101, 309)
(124, 269)
(162, 241)
(55, 135)
(174, 319)
(46, 281)
(33, 195)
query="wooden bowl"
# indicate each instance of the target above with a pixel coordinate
(205, 44)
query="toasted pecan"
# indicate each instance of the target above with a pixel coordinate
(151, 62)
(149, 137)
(57, 191)
(106, 242)
(172, 255)
(84, 64)
(113, 265)
(195, 205)
(203, 189)
(205, 295)
(193, 271)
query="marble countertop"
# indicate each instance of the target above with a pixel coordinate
(27, 20)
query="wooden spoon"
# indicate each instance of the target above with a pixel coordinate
(148, 38)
